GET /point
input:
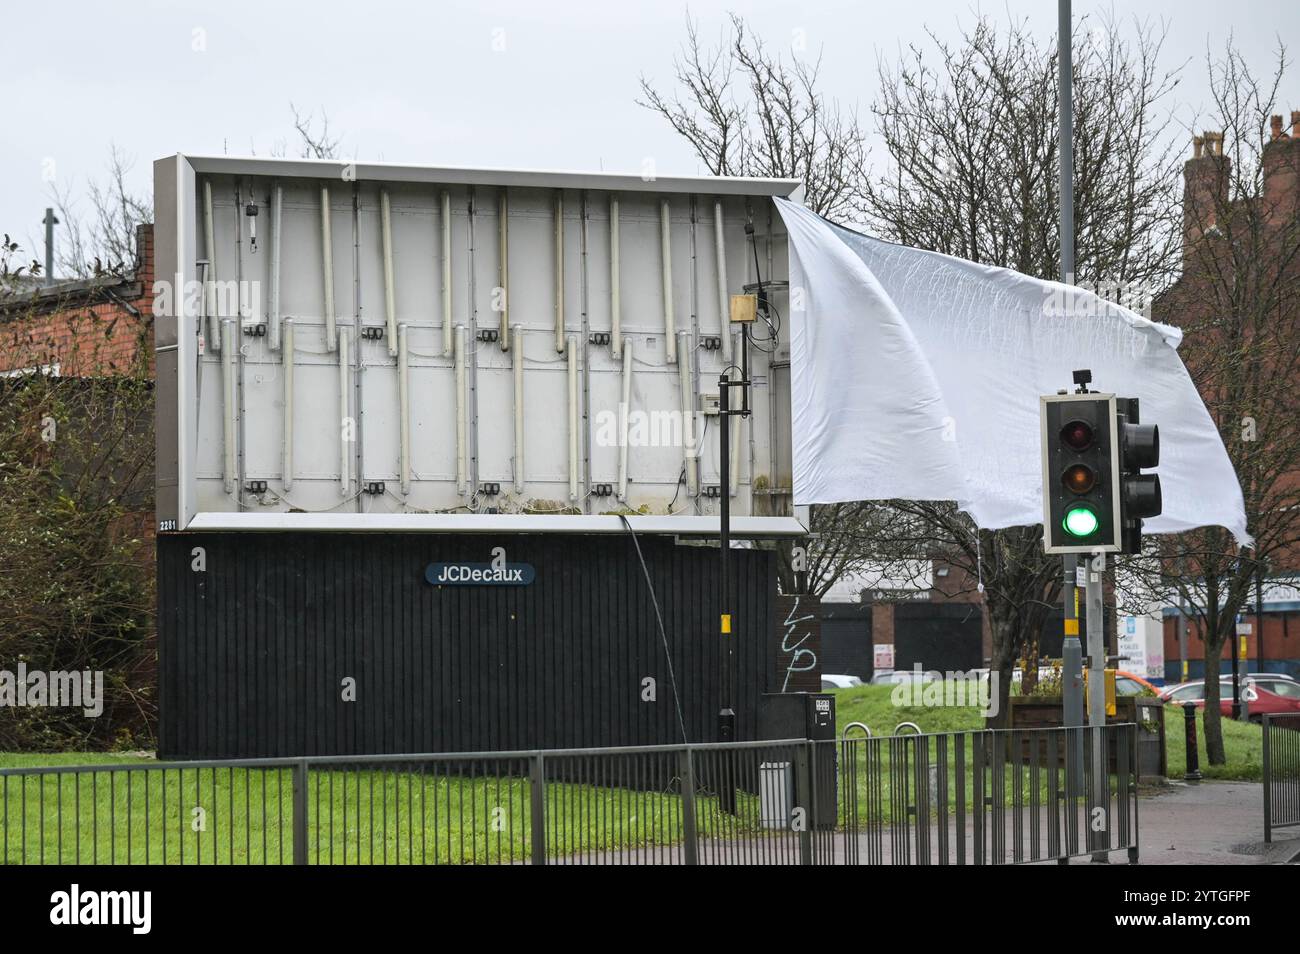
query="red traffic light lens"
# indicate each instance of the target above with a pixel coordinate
(1079, 479)
(1077, 434)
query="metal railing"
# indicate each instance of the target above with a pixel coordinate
(991, 797)
(980, 797)
(1281, 771)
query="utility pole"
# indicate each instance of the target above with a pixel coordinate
(1259, 615)
(1182, 627)
(50, 222)
(1235, 652)
(1071, 651)
(727, 712)
(726, 655)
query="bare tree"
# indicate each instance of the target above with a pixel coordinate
(103, 242)
(315, 144)
(971, 159)
(972, 171)
(749, 112)
(1238, 303)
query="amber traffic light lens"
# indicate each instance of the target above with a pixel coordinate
(1079, 479)
(1077, 434)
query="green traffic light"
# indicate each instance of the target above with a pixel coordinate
(1080, 521)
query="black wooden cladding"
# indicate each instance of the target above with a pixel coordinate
(847, 644)
(254, 649)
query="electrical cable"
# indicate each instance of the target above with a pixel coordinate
(663, 634)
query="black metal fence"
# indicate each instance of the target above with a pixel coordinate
(1281, 772)
(982, 797)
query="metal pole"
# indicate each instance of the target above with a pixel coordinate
(690, 835)
(726, 714)
(1268, 780)
(1097, 700)
(1235, 652)
(537, 804)
(1096, 642)
(1259, 616)
(1182, 631)
(1065, 100)
(50, 222)
(300, 812)
(1071, 651)
(1192, 771)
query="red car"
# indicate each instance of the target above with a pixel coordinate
(1284, 697)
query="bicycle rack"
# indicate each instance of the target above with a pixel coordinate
(903, 725)
(866, 731)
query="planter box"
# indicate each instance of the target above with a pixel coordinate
(1043, 712)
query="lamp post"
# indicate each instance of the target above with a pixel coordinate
(726, 629)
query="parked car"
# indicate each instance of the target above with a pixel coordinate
(1258, 702)
(898, 677)
(1261, 693)
(834, 681)
(1194, 689)
(1131, 684)
(1279, 683)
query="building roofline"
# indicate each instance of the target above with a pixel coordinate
(64, 293)
(467, 175)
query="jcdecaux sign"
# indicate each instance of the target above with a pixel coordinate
(480, 574)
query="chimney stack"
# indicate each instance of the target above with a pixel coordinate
(1281, 193)
(1205, 186)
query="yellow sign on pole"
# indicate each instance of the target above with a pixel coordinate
(744, 307)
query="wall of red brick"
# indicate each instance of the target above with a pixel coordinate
(1280, 633)
(100, 330)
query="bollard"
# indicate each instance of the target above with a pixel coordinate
(1193, 773)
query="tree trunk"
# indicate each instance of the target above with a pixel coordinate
(1214, 750)
(1004, 625)
(1029, 682)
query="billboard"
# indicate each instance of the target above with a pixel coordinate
(376, 346)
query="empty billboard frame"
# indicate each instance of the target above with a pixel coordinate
(374, 346)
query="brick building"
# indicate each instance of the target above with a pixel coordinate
(1212, 215)
(96, 327)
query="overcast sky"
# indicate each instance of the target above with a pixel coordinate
(504, 84)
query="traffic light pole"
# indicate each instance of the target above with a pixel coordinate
(1099, 835)
(1071, 652)
(726, 627)
(1072, 691)
(726, 714)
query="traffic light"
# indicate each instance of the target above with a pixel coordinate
(1095, 495)
(1081, 506)
(1139, 447)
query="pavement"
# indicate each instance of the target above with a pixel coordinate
(1210, 823)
